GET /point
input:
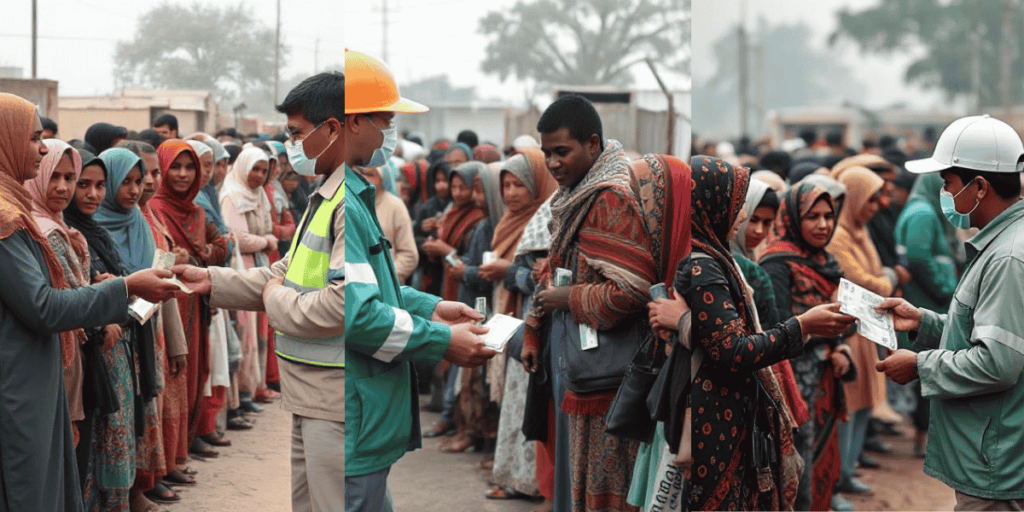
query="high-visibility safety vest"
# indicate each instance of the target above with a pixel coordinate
(309, 270)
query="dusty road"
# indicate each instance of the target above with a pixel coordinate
(253, 474)
(428, 480)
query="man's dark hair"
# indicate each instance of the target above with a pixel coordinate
(834, 138)
(233, 152)
(809, 135)
(1006, 184)
(886, 142)
(778, 161)
(867, 144)
(469, 137)
(167, 120)
(136, 146)
(930, 134)
(280, 137)
(317, 98)
(48, 124)
(150, 136)
(575, 113)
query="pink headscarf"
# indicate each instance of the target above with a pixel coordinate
(48, 220)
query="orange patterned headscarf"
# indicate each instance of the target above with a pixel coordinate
(16, 121)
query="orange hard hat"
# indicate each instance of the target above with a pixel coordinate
(370, 87)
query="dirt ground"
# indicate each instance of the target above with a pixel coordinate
(253, 474)
(900, 484)
(428, 480)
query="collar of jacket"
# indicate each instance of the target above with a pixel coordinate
(359, 186)
(988, 234)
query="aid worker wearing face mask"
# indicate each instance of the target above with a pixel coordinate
(304, 296)
(389, 327)
(973, 357)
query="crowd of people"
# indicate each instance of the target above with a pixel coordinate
(104, 409)
(767, 396)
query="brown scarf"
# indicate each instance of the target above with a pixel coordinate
(16, 116)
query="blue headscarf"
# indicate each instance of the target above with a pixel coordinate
(128, 228)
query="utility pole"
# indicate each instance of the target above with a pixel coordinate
(1006, 57)
(277, 50)
(316, 57)
(671, 119)
(384, 24)
(34, 38)
(975, 38)
(743, 82)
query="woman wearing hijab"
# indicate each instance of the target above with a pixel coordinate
(456, 227)
(805, 275)
(128, 348)
(860, 263)
(927, 240)
(223, 342)
(103, 136)
(280, 216)
(246, 211)
(51, 190)
(735, 397)
(664, 185)
(38, 469)
(426, 223)
(187, 224)
(466, 230)
(526, 186)
(172, 350)
(458, 154)
(119, 215)
(486, 153)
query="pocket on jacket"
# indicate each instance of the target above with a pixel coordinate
(384, 420)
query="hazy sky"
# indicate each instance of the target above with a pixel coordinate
(881, 75)
(431, 37)
(78, 37)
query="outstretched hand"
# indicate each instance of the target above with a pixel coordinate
(905, 316)
(195, 278)
(151, 285)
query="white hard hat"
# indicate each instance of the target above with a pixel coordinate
(981, 143)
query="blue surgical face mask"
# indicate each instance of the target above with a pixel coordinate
(947, 202)
(302, 164)
(382, 155)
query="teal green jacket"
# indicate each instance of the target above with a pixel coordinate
(387, 327)
(972, 368)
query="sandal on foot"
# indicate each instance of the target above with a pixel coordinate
(179, 478)
(502, 494)
(160, 493)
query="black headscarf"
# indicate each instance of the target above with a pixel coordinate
(101, 136)
(103, 252)
(103, 257)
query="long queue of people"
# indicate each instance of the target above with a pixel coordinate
(760, 393)
(144, 395)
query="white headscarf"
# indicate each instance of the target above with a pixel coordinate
(236, 186)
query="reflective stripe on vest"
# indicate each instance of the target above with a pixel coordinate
(308, 268)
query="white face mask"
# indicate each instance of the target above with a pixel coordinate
(383, 154)
(302, 164)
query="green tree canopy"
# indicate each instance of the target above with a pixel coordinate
(219, 48)
(586, 42)
(947, 30)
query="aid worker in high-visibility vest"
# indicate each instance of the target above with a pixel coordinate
(389, 327)
(304, 297)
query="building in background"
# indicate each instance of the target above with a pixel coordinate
(136, 109)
